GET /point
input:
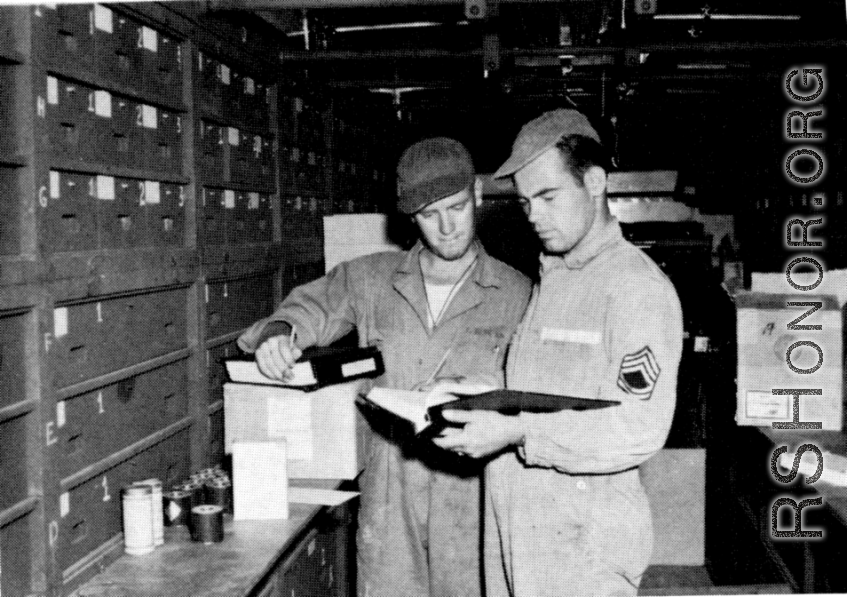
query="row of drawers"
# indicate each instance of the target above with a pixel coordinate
(89, 427)
(232, 95)
(305, 172)
(232, 154)
(87, 124)
(93, 338)
(236, 217)
(90, 513)
(93, 39)
(80, 212)
(84, 123)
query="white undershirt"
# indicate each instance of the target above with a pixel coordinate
(438, 296)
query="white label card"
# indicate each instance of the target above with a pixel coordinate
(61, 419)
(60, 322)
(103, 103)
(52, 90)
(149, 39)
(106, 187)
(103, 18)
(229, 199)
(249, 86)
(55, 184)
(64, 504)
(575, 336)
(225, 74)
(253, 200)
(148, 117)
(358, 367)
(152, 192)
(764, 405)
(233, 135)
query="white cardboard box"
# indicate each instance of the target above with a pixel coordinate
(764, 339)
(324, 432)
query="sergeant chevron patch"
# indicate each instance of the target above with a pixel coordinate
(638, 374)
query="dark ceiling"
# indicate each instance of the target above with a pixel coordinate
(683, 84)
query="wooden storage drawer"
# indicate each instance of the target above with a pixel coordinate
(97, 337)
(14, 476)
(12, 362)
(101, 422)
(91, 511)
(15, 560)
(237, 303)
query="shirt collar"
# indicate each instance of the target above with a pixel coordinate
(589, 248)
(484, 273)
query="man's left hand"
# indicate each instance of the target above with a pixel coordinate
(484, 433)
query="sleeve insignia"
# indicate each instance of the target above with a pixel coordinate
(638, 374)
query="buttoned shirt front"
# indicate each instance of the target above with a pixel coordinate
(604, 323)
(419, 518)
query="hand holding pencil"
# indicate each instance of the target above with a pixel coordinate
(277, 355)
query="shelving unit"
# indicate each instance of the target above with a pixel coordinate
(147, 220)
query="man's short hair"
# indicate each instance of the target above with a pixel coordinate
(579, 153)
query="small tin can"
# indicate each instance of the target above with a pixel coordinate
(158, 513)
(177, 508)
(207, 524)
(195, 488)
(219, 493)
(137, 505)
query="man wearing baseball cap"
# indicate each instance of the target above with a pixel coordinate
(565, 510)
(444, 309)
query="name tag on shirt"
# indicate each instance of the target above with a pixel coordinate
(574, 336)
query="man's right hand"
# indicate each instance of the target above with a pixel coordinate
(276, 356)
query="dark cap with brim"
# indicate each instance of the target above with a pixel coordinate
(431, 170)
(539, 135)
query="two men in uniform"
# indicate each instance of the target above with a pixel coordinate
(565, 513)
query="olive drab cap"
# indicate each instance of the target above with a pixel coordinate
(539, 135)
(430, 170)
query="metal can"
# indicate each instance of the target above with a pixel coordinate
(219, 493)
(195, 488)
(177, 507)
(137, 504)
(207, 524)
(158, 512)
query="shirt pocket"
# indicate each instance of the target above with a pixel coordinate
(565, 361)
(480, 351)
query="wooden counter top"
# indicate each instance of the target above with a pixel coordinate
(250, 550)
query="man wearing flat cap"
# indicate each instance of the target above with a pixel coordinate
(565, 510)
(444, 309)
